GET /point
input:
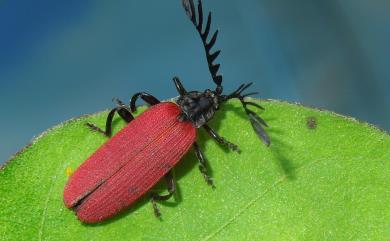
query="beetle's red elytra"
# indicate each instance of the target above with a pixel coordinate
(129, 164)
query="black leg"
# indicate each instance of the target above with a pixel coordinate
(202, 164)
(122, 111)
(220, 139)
(171, 186)
(148, 98)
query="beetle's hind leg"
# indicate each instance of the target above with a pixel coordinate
(148, 98)
(171, 186)
(123, 112)
(202, 165)
(220, 139)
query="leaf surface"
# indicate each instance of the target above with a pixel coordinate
(324, 177)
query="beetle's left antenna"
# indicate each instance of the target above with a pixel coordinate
(189, 7)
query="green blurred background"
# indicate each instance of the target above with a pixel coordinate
(61, 59)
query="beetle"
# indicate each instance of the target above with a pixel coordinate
(129, 164)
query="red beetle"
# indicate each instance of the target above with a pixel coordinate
(128, 165)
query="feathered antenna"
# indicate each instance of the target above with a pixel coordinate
(189, 7)
(256, 121)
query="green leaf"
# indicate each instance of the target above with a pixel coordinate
(324, 177)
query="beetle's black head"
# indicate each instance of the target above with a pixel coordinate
(198, 107)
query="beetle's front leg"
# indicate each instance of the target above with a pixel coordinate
(171, 186)
(220, 139)
(202, 165)
(122, 111)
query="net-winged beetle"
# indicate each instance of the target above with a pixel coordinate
(129, 164)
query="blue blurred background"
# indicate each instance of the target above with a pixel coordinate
(62, 59)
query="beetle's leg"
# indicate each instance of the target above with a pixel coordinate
(148, 98)
(220, 139)
(122, 111)
(171, 186)
(202, 164)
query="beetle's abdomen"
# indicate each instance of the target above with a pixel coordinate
(129, 164)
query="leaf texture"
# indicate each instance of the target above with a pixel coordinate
(326, 183)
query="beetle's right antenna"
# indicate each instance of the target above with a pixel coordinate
(190, 10)
(256, 121)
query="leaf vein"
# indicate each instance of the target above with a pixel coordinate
(253, 201)
(43, 219)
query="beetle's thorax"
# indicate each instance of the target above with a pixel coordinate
(198, 107)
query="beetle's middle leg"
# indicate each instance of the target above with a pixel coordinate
(202, 164)
(220, 139)
(171, 186)
(122, 111)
